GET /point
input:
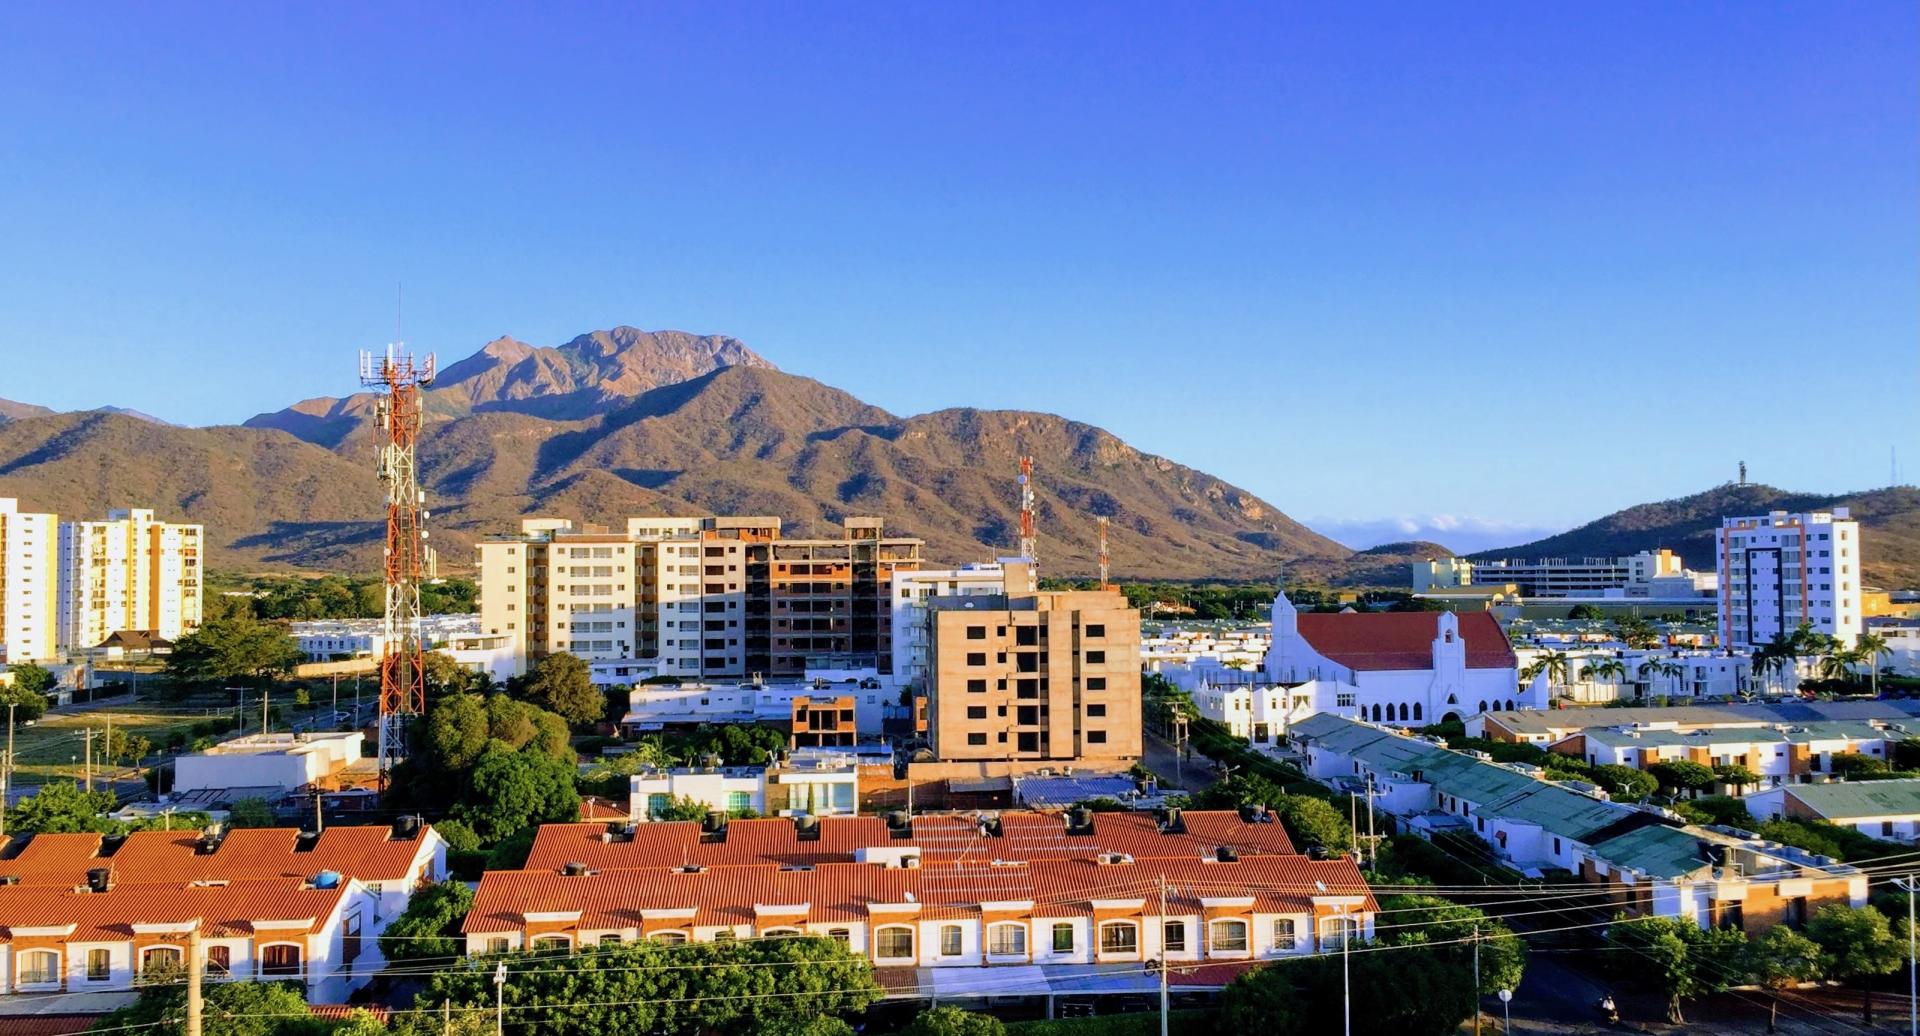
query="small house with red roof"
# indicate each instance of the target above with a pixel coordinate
(1407, 669)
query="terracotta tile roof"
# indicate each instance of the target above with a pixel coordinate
(1023, 836)
(224, 910)
(369, 853)
(842, 892)
(598, 809)
(48, 1024)
(1402, 640)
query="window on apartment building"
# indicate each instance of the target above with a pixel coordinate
(1096, 737)
(1886, 827)
(99, 965)
(1096, 710)
(976, 633)
(1335, 930)
(893, 943)
(280, 960)
(1096, 683)
(976, 658)
(160, 964)
(976, 687)
(976, 712)
(976, 739)
(1175, 934)
(1063, 938)
(1285, 936)
(39, 967)
(1556, 847)
(1227, 936)
(1096, 658)
(1119, 937)
(350, 939)
(1007, 941)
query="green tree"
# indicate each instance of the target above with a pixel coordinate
(1856, 944)
(952, 1021)
(1311, 821)
(27, 692)
(1780, 959)
(429, 928)
(1739, 777)
(1682, 775)
(1635, 632)
(61, 807)
(228, 1009)
(460, 838)
(512, 790)
(1625, 783)
(562, 684)
(122, 747)
(1453, 929)
(1432, 995)
(457, 729)
(232, 649)
(445, 676)
(251, 813)
(737, 989)
(1677, 958)
(1554, 665)
(1868, 647)
(1853, 764)
(680, 807)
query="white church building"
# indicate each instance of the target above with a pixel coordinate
(1401, 668)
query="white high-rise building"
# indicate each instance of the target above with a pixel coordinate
(28, 590)
(1780, 570)
(912, 591)
(129, 572)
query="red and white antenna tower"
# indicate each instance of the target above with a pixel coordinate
(409, 560)
(1104, 585)
(1027, 537)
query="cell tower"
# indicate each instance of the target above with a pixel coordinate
(1027, 536)
(1104, 585)
(403, 685)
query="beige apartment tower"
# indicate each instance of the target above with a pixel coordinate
(699, 597)
(129, 572)
(29, 605)
(1034, 678)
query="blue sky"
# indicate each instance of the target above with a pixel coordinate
(1492, 266)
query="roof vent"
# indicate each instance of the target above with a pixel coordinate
(806, 828)
(1079, 821)
(99, 879)
(1113, 859)
(575, 869)
(1171, 821)
(406, 829)
(210, 838)
(1225, 854)
(110, 844)
(691, 868)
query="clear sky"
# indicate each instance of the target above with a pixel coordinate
(1476, 265)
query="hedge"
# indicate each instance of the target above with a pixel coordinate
(1139, 1023)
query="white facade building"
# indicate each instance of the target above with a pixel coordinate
(129, 572)
(29, 596)
(651, 706)
(1780, 570)
(912, 591)
(1402, 668)
(284, 761)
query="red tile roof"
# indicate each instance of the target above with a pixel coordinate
(369, 853)
(224, 910)
(843, 892)
(1402, 640)
(48, 1024)
(597, 809)
(1023, 836)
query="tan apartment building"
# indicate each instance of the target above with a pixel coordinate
(700, 597)
(29, 603)
(1031, 678)
(130, 572)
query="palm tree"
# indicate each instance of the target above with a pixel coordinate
(1837, 663)
(1661, 667)
(1552, 663)
(1770, 661)
(1599, 669)
(1870, 646)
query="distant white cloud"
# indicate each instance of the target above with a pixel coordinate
(1460, 533)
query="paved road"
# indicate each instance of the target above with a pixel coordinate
(1190, 774)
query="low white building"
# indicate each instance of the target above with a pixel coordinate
(1881, 809)
(1675, 673)
(804, 782)
(1248, 702)
(1401, 668)
(284, 761)
(653, 706)
(727, 789)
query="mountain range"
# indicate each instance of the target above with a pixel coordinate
(625, 421)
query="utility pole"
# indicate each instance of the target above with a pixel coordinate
(89, 765)
(263, 714)
(1476, 980)
(1373, 841)
(500, 1000)
(1163, 955)
(319, 815)
(1910, 883)
(195, 969)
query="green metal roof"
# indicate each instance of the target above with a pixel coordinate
(1860, 800)
(1663, 852)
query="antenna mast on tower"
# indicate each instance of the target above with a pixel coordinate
(1027, 536)
(409, 560)
(1104, 585)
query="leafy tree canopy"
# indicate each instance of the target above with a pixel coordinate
(27, 692)
(251, 813)
(232, 649)
(227, 1009)
(562, 684)
(511, 790)
(952, 1021)
(429, 928)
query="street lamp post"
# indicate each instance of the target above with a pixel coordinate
(1506, 1011)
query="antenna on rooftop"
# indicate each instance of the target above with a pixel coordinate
(1104, 585)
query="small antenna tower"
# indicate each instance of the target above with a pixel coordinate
(1743, 472)
(1027, 537)
(1104, 585)
(409, 560)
